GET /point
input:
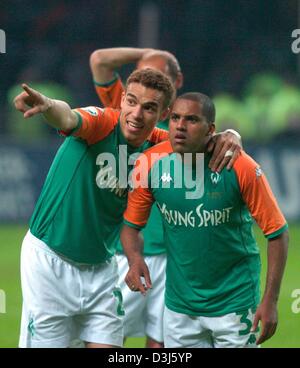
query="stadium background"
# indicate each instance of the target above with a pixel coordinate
(237, 51)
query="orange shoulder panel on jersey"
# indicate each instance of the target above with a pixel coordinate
(140, 199)
(158, 135)
(258, 195)
(110, 94)
(96, 123)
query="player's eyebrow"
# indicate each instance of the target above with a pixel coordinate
(187, 117)
(151, 104)
(131, 95)
(195, 117)
(148, 103)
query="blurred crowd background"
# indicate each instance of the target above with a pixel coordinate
(237, 51)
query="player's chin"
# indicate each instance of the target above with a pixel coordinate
(179, 147)
(136, 137)
(181, 150)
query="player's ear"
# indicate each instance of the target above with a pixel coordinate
(179, 81)
(210, 133)
(211, 129)
(165, 114)
(123, 98)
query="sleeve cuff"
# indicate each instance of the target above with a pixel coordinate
(134, 226)
(71, 132)
(278, 232)
(109, 83)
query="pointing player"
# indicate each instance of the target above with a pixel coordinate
(68, 271)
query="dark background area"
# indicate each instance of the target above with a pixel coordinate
(220, 44)
(237, 51)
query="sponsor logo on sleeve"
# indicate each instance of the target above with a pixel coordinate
(258, 171)
(94, 111)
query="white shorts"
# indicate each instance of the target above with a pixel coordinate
(228, 331)
(63, 301)
(144, 314)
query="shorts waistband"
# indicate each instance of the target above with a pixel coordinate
(41, 244)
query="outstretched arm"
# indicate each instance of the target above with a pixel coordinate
(104, 62)
(57, 113)
(133, 247)
(267, 310)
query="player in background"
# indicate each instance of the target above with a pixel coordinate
(68, 269)
(104, 64)
(109, 87)
(144, 315)
(213, 264)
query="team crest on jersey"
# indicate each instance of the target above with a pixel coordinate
(215, 178)
(91, 110)
(258, 171)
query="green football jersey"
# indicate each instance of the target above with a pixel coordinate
(213, 262)
(77, 214)
(153, 232)
(110, 95)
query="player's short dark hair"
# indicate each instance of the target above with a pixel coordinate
(208, 107)
(154, 79)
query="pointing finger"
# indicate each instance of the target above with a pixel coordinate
(29, 90)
